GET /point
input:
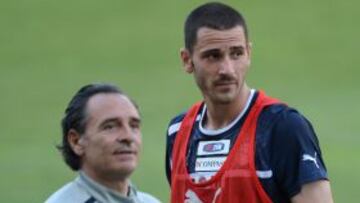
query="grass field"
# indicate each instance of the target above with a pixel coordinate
(304, 52)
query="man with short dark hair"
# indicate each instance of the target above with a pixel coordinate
(102, 141)
(238, 144)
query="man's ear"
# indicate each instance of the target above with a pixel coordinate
(76, 142)
(188, 64)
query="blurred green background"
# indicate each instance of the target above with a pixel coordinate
(304, 52)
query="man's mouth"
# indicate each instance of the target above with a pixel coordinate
(224, 83)
(124, 152)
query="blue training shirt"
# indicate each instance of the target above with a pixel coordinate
(287, 150)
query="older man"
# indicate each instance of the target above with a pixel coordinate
(102, 141)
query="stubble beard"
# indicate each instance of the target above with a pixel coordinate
(224, 98)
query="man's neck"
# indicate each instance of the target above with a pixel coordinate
(118, 184)
(221, 115)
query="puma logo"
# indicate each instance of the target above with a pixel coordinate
(191, 196)
(307, 157)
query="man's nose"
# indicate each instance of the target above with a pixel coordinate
(126, 134)
(226, 66)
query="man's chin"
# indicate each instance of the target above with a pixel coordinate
(122, 172)
(224, 99)
(124, 166)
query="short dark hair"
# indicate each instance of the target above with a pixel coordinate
(212, 15)
(75, 118)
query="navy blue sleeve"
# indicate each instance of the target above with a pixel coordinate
(169, 145)
(296, 156)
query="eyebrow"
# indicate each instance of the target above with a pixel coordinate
(110, 120)
(216, 50)
(210, 51)
(135, 119)
(234, 48)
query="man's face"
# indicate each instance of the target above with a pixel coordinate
(219, 62)
(112, 139)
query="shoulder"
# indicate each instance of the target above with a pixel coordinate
(145, 197)
(287, 129)
(292, 126)
(174, 124)
(69, 193)
(284, 119)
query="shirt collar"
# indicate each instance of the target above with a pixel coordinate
(104, 194)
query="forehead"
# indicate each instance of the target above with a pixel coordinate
(111, 105)
(208, 38)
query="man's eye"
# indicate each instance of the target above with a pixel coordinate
(213, 56)
(109, 126)
(237, 54)
(135, 125)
